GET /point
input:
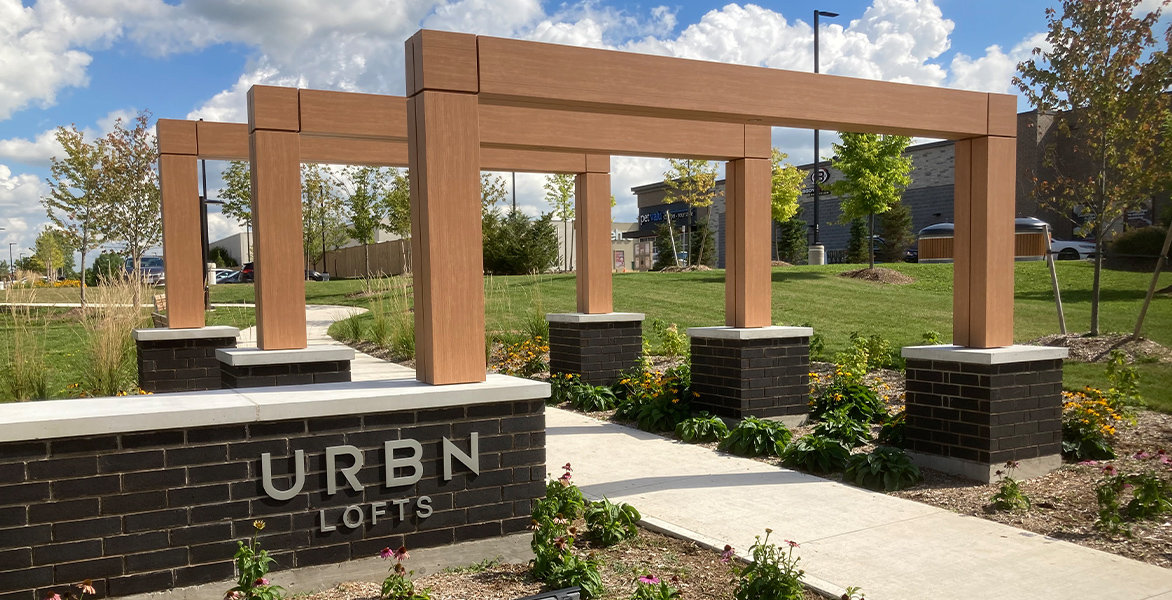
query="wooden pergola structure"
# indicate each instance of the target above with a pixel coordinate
(457, 82)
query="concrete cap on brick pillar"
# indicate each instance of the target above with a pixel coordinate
(198, 333)
(750, 333)
(984, 356)
(249, 357)
(614, 317)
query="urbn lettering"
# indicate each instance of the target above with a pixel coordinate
(409, 466)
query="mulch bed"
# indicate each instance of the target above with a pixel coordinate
(879, 275)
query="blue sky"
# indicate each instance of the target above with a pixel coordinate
(90, 61)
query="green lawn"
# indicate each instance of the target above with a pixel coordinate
(833, 305)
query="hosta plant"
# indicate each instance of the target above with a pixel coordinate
(838, 425)
(816, 454)
(702, 428)
(611, 523)
(756, 437)
(891, 433)
(592, 398)
(884, 468)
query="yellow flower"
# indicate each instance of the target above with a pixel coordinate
(258, 525)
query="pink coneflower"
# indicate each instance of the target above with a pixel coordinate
(649, 579)
(566, 467)
(792, 544)
(386, 553)
(260, 581)
(401, 553)
(728, 553)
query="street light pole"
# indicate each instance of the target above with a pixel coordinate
(817, 251)
(11, 267)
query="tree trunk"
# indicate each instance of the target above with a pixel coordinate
(365, 256)
(871, 242)
(84, 243)
(1095, 286)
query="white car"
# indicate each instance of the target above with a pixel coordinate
(1072, 250)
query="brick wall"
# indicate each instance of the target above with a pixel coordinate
(180, 365)
(754, 377)
(598, 351)
(984, 413)
(148, 511)
(244, 376)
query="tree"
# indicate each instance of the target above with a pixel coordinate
(366, 206)
(895, 226)
(321, 213)
(106, 267)
(791, 240)
(559, 193)
(665, 248)
(785, 192)
(514, 244)
(1104, 84)
(692, 182)
(856, 246)
(237, 197)
(397, 198)
(875, 174)
(703, 245)
(220, 256)
(75, 202)
(492, 192)
(52, 248)
(131, 187)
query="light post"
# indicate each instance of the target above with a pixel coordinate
(817, 251)
(11, 267)
(204, 201)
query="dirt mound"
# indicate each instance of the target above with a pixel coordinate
(879, 275)
(780, 263)
(686, 269)
(1084, 348)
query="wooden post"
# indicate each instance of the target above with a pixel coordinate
(983, 244)
(275, 153)
(747, 285)
(592, 241)
(179, 200)
(446, 242)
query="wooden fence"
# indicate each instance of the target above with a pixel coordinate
(386, 258)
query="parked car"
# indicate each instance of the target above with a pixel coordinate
(1072, 249)
(150, 268)
(228, 276)
(310, 274)
(246, 272)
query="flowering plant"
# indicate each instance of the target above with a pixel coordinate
(1009, 495)
(773, 572)
(656, 400)
(523, 359)
(650, 587)
(83, 588)
(398, 585)
(252, 565)
(1089, 425)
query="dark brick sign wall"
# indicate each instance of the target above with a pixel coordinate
(140, 512)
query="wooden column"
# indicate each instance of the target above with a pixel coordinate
(983, 245)
(443, 149)
(182, 244)
(592, 242)
(274, 151)
(747, 284)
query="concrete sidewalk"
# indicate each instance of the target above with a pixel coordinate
(894, 549)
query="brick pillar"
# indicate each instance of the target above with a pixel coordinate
(970, 410)
(181, 360)
(599, 347)
(250, 367)
(758, 371)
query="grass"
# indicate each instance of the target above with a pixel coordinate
(833, 305)
(1155, 381)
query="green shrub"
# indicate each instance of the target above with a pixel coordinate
(856, 399)
(514, 244)
(611, 523)
(1145, 241)
(1150, 497)
(891, 433)
(656, 401)
(1088, 425)
(562, 498)
(1009, 495)
(879, 350)
(816, 454)
(592, 398)
(838, 425)
(756, 437)
(773, 573)
(561, 387)
(884, 468)
(702, 428)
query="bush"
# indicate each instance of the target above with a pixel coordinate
(817, 454)
(516, 245)
(554, 560)
(1088, 425)
(772, 574)
(892, 431)
(561, 386)
(611, 523)
(656, 401)
(1150, 496)
(856, 400)
(1144, 242)
(838, 425)
(884, 468)
(702, 428)
(220, 256)
(756, 437)
(522, 359)
(666, 340)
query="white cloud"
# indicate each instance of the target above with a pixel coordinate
(20, 209)
(994, 71)
(34, 152)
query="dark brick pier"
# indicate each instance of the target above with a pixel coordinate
(599, 347)
(181, 360)
(757, 372)
(248, 367)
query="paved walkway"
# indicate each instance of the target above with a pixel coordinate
(894, 549)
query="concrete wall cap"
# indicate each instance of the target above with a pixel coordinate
(614, 317)
(50, 419)
(251, 357)
(985, 356)
(750, 333)
(160, 334)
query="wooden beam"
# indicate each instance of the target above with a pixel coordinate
(182, 243)
(273, 108)
(441, 61)
(279, 249)
(991, 242)
(222, 141)
(175, 136)
(350, 114)
(446, 238)
(353, 151)
(592, 243)
(748, 276)
(516, 72)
